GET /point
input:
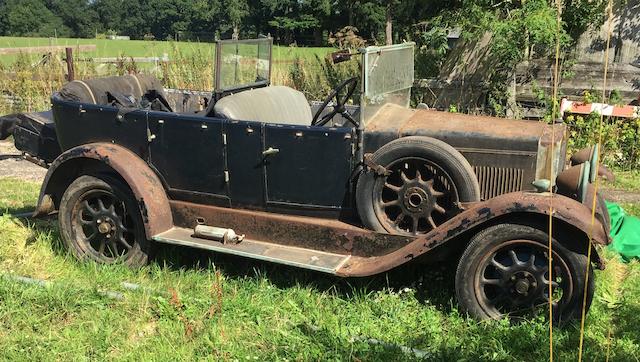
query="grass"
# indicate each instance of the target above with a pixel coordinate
(196, 305)
(626, 180)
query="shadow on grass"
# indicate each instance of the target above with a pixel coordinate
(21, 213)
(432, 282)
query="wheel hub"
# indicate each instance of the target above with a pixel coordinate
(416, 199)
(523, 283)
(106, 225)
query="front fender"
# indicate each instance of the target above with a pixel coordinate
(143, 182)
(566, 211)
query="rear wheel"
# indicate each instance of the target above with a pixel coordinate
(100, 221)
(504, 272)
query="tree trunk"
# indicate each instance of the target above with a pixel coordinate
(350, 5)
(317, 37)
(236, 32)
(389, 25)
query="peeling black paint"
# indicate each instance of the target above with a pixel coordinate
(143, 211)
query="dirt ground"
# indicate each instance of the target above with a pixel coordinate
(12, 164)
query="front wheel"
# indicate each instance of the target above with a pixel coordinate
(505, 272)
(424, 182)
(100, 221)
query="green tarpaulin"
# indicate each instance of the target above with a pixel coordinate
(625, 231)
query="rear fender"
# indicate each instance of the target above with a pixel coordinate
(103, 157)
(568, 215)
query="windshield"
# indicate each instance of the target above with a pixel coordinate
(242, 63)
(387, 75)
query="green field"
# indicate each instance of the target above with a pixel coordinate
(196, 305)
(141, 48)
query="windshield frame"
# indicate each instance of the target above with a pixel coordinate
(219, 89)
(364, 84)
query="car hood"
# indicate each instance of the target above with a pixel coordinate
(459, 130)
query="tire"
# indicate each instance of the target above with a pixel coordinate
(445, 179)
(107, 228)
(521, 284)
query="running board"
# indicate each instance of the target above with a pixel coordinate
(288, 255)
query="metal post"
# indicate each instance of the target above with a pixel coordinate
(70, 68)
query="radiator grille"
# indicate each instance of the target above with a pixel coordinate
(496, 181)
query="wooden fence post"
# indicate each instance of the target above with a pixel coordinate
(69, 60)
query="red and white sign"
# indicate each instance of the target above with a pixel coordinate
(574, 107)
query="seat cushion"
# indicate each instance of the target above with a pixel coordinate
(277, 104)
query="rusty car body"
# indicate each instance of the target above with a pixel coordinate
(249, 158)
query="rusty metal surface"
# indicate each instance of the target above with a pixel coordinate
(403, 122)
(552, 152)
(565, 209)
(145, 185)
(326, 235)
(274, 253)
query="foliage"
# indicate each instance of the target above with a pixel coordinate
(30, 18)
(621, 148)
(620, 143)
(347, 38)
(517, 24)
(432, 48)
(519, 30)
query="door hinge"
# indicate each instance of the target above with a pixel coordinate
(226, 176)
(224, 139)
(150, 136)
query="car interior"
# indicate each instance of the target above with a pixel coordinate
(269, 104)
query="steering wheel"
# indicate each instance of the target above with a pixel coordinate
(339, 105)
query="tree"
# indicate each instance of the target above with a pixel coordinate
(369, 16)
(235, 11)
(301, 18)
(30, 18)
(77, 15)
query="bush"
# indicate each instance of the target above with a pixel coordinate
(620, 147)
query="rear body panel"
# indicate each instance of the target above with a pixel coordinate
(34, 134)
(82, 123)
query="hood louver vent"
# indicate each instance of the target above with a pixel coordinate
(496, 181)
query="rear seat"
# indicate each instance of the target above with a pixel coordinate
(131, 88)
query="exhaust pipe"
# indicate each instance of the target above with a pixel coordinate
(226, 236)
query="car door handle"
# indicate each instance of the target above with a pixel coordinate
(270, 151)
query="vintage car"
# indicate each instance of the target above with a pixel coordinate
(259, 171)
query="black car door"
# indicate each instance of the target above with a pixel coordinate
(188, 152)
(245, 163)
(307, 166)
